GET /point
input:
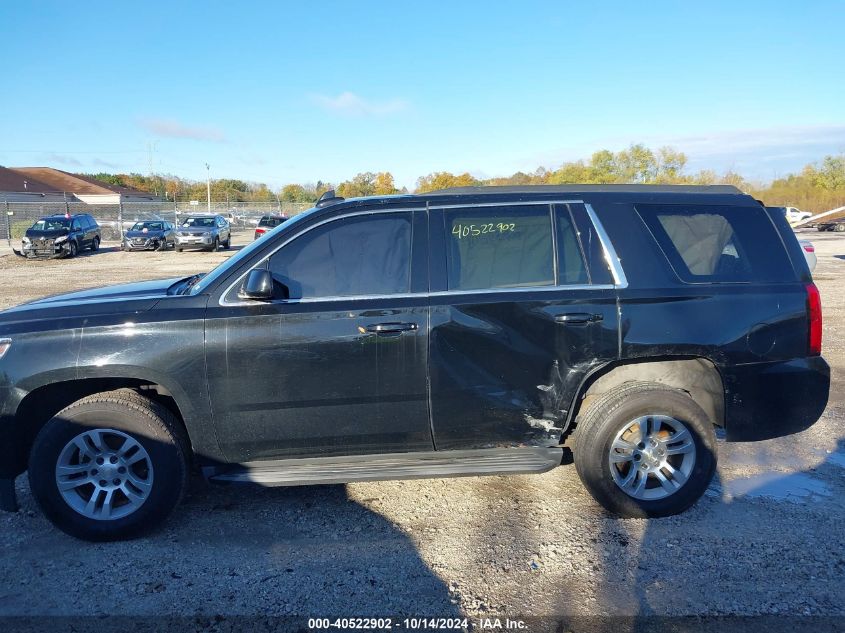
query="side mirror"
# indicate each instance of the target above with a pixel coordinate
(258, 285)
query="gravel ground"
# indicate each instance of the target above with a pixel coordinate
(766, 539)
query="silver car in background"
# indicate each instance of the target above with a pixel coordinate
(204, 232)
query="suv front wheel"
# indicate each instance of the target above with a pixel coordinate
(110, 466)
(645, 450)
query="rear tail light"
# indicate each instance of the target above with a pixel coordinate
(814, 316)
(260, 231)
(809, 248)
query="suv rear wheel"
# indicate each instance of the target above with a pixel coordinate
(95, 244)
(645, 450)
(110, 466)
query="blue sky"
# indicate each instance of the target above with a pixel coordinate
(295, 92)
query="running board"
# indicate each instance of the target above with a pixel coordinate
(340, 470)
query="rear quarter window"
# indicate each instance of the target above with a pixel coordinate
(718, 244)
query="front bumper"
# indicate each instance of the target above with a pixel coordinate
(194, 241)
(768, 400)
(44, 249)
(134, 244)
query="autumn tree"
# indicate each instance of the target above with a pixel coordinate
(444, 180)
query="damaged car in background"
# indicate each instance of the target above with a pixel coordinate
(153, 235)
(471, 331)
(61, 236)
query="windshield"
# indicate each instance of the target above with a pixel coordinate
(150, 226)
(244, 253)
(51, 224)
(198, 222)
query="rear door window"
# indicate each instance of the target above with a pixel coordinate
(499, 247)
(718, 243)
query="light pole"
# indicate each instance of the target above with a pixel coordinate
(208, 185)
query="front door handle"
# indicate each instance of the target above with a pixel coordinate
(390, 328)
(575, 318)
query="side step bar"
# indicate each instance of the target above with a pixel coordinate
(339, 470)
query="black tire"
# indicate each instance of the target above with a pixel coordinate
(179, 249)
(95, 244)
(162, 246)
(228, 243)
(609, 414)
(820, 229)
(839, 228)
(148, 423)
(73, 249)
(215, 245)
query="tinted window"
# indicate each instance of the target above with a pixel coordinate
(270, 221)
(723, 244)
(570, 260)
(360, 255)
(499, 247)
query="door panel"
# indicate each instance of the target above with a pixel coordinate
(504, 371)
(506, 361)
(337, 363)
(304, 380)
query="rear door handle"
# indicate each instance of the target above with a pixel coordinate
(390, 328)
(574, 318)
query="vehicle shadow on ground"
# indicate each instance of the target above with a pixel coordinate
(314, 548)
(232, 550)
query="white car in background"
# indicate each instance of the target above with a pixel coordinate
(793, 214)
(809, 253)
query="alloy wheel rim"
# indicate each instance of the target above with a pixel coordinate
(652, 457)
(104, 474)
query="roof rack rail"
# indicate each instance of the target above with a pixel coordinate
(328, 198)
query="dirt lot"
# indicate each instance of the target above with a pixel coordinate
(766, 539)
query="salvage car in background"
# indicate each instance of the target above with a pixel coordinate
(155, 235)
(205, 232)
(267, 223)
(61, 236)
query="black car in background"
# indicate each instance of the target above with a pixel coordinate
(150, 235)
(267, 223)
(205, 232)
(61, 236)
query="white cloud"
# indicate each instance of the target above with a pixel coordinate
(350, 104)
(173, 129)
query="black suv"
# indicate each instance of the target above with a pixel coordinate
(462, 332)
(61, 236)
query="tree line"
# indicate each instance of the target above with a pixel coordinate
(816, 187)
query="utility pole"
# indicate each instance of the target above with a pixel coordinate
(208, 185)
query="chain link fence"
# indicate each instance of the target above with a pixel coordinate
(114, 219)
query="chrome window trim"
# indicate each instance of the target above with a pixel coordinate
(437, 293)
(619, 278)
(620, 281)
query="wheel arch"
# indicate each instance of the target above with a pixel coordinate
(43, 402)
(696, 375)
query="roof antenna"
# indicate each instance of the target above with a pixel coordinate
(328, 198)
